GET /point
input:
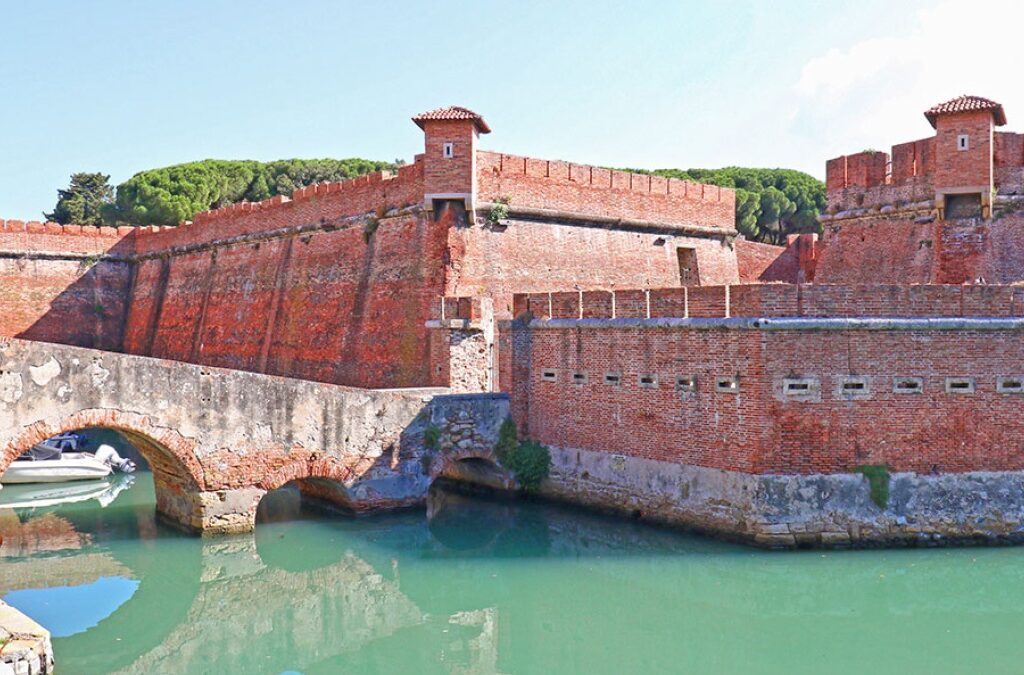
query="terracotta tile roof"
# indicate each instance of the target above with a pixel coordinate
(967, 104)
(453, 112)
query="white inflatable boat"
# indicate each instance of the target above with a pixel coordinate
(58, 460)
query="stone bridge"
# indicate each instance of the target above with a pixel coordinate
(217, 440)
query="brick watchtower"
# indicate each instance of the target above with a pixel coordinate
(450, 143)
(964, 129)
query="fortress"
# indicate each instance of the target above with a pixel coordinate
(677, 371)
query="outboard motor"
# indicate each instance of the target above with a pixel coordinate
(109, 456)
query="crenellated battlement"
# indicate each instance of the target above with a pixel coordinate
(33, 238)
(320, 203)
(49, 227)
(767, 300)
(966, 156)
(592, 190)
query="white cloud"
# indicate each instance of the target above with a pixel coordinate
(872, 93)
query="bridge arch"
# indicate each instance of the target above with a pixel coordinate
(219, 439)
(474, 465)
(177, 473)
(169, 454)
(323, 478)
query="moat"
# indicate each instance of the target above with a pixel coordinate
(483, 585)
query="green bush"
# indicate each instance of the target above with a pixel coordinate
(508, 440)
(531, 464)
(878, 480)
(528, 460)
(499, 211)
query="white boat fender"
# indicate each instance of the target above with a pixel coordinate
(109, 456)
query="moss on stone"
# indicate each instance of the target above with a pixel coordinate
(878, 480)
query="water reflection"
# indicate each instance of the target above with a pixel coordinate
(43, 495)
(489, 586)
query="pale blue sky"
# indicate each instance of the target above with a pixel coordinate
(120, 87)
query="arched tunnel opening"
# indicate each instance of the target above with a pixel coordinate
(304, 499)
(474, 475)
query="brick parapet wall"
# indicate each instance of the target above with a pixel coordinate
(860, 183)
(755, 427)
(21, 237)
(321, 203)
(583, 189)
(779, 300)
(527, 256)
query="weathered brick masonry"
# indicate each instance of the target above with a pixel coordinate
(336, 284)
(717, 398)
(64, 283)
(609, 306)
(943, 209)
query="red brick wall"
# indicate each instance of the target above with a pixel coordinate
(764, 262)
(894, 250)
(326, 306)
(916, 158)
(866, 169)
(782, 300)
(962, 168)
(57, 286)
(449, 175)
(883, 251)
(591, 190)
(531, 257)
(759, 430)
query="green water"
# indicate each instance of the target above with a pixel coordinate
(489, 586)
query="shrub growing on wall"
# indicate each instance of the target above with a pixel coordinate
(528, 460)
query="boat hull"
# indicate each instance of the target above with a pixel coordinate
(60, 470)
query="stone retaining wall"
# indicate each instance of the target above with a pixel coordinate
(788, 511)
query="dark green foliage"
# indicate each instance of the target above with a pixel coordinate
(499, 211)
(172, 194)
(508, 439)
(531, 464)
(82, 203)
(529, 461)
(770, 203)
(878, 479)
(431, 437)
